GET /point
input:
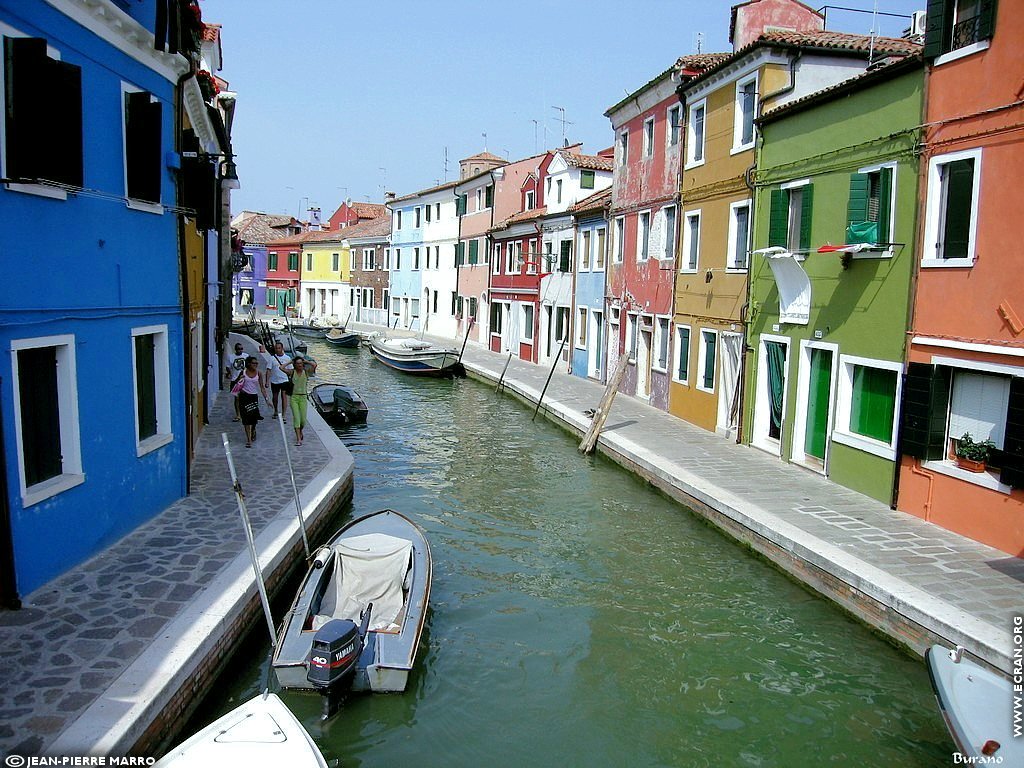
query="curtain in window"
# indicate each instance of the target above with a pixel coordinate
(40, 414)
(874, 402)
(775, 353)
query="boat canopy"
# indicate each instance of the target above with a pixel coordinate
(372, 569)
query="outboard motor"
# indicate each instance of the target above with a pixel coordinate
(336, 648)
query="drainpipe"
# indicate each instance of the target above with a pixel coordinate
(916, 469)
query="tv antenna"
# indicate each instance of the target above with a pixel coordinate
(563, 121)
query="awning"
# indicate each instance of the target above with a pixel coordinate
(793, 283)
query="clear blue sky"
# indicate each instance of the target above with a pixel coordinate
(332, 91)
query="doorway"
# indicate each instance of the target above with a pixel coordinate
(815, 404)
(770, 394)
(729, 383)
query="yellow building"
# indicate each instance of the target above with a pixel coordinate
(326, 268)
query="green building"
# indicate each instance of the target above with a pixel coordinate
(835, 212)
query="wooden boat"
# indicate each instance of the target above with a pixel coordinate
(262, 733)
(342, 338)
(380, 560)
(415, 356)
(308, 330)
(338, 404)
(977, 705)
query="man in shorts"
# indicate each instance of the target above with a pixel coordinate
(234, 364)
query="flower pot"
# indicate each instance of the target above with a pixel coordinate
(970, 464)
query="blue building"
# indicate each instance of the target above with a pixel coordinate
(408, 259)
(92, 390)
(590, 335)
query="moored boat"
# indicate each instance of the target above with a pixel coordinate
(262, 733)
(357, 618)
(977, 705)
(415, 356)
(338, 404)
(342, 338)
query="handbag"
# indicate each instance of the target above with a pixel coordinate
(289, 387)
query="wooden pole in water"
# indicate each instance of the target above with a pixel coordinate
(465, 340)
(501, 379)
(605, 406)
(240, 497)
(551, 373)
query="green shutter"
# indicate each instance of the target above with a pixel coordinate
(778, 218)
(710, 340)
(291, 297)
(937, 30)
(271, 297)
(1013, 441)
(474, 250)
(986, 19)
(819, 391)
(145, 385)
(460, 254)
(873, 403)
(807, 199)
(489, 195)
(40, 414)
(565, 257)
(684, 354)
(956, 230)
(923, 411)
(884, 204)
(857, 204)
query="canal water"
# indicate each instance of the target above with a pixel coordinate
(580, 618)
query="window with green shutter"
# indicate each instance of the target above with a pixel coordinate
(587, 179)
(565, 257)
(293, 262)
(710, 340)
(292, 294)
(956, 24)
(272, 262)
(924, 410)
(873, 403)
(868, 207)
(460, 254)
(474, 248)
(271, 297)
(682, 354)
(957, 180)
(1012, 472)
(489, 195)
(778, 218)
(789, 217)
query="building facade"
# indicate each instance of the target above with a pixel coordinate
(369, 247)
(590, 223)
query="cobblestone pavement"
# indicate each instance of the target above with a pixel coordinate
(76, 634)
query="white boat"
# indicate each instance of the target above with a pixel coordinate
(414, 356)
(977, 705)
(383, 559)
(261, 733)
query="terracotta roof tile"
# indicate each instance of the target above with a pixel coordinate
(517, 218)
(379, 227)
(484, 156)
(259, 228)
(595, 202)
(588, 162)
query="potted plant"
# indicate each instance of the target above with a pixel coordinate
(972, 455)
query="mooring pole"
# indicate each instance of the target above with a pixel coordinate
(501, 379)
(295, 489)
(551, 373)
(240, 497)
(465, 340)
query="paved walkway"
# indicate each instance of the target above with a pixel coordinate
(81, 634)
(908, 573)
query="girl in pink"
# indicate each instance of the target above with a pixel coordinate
(248, 389)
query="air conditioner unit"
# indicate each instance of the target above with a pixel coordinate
(918, 23)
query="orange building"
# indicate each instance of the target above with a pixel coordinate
(965, 377)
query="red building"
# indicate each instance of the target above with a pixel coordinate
(349, 214)
(284, 272)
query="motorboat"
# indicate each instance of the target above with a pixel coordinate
(977, 705)
(415, 356)
(261, 733)
(338, 404)
(356, 621)
(342, 338)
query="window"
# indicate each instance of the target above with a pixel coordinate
(46, 416)
(681, 373)
(417, 215)
(396, 306)
(497, 258)
(869, 207)
(561, 324)
(958, 27)
(585, 251)
(437, 211)
(706, 362)
(674, 125)
(632, 335)
(558, 191)
(272, 261)
(789, 217)
(398, 258)
(648, 141)
(472, 306)
(661, 342)
(532, 260)
(691, 242)
(152, 388)
(415, 258)
(335, 262)
(435, 303)
(668, 232)
(739, 235)
(143, 151)
(271, 297)
(426, 210)
(565, 256)
(695, 134)
(489, 195)
(43, 103)
(581, 327)
(479, 199)
(309, 261)
(743, 128)
(461, 204)
(414, 307)
(623, 148)
(293, 261)
(587, 179)
(497, 312)
(599, 249)
(474, 251)
(867, 393)
(531, 198)
(368, 259)
(511, 263)
(951, 215)
(620, 239)
(387, 259)
(398, 219)
(643, 236)
(526, 329)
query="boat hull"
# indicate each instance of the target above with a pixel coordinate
(349, 340)
(387, 657)
(430, 362)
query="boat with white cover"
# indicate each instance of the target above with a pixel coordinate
(382, 559)
(261, 733)
(977, 705)
(414, 356)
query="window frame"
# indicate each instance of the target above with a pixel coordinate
(673, 127)
(619, 240)
(733, 232)
(738, 145)
(692, 161)
(582, 327)
(889, 251)
(656, 338)
(135, 203)
(702, 357)
(935, 205)
(643, 237)
(841, 432)
(526, 328)
(678, 352)
(622, 148)
(687, 243)
(647, 148)
(669, 240)
(162, 386)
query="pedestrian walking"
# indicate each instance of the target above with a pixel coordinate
(278, 381)
(299, 372)
(248, 389)
(234, 364)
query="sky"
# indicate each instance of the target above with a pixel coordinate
(340, 99)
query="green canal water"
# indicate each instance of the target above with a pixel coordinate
(579, 618)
